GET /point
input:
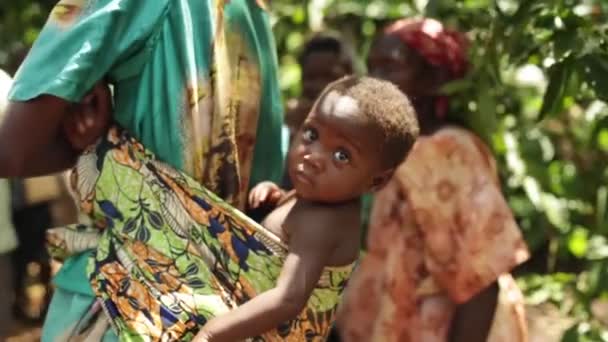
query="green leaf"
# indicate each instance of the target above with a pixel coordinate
(602, 208)
(299, 15)
(578, 242)
(456, 86)
(572, 334)
(596, 72)
(598, 248)
(559, 73)
(525, 12)
(566, 43)
(602, 140)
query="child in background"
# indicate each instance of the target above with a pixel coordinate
(357, 132)
(324, 59)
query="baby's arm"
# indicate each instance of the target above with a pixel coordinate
(310, 248)
(265, 193)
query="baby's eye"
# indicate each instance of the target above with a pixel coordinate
(310, 134)
(342, 156)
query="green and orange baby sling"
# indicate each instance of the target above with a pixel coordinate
(170, 255)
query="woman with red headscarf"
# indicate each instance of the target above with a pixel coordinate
(441, 234)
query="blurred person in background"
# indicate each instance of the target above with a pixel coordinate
(442, 238)
(8, 237)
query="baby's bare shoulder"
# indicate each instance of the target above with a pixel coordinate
(328, 220)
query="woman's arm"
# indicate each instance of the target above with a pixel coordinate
(473, 319)
(46, 134)
(31, 140)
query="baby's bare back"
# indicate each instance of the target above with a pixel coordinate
(341, 221)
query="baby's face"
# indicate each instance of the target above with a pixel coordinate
(335, 156)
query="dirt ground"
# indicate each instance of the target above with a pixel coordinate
(546, 324)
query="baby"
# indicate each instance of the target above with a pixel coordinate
(357, 132)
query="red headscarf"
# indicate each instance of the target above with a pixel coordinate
(437, 45)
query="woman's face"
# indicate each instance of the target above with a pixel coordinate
(390, 59)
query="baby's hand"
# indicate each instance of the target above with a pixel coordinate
(265, 193)
(89, 119)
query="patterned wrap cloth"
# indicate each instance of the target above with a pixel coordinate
(436, 239)
(170, 254)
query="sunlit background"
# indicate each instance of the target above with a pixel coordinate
(535, 92)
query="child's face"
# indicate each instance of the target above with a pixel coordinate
(335, 155)
(319, 69)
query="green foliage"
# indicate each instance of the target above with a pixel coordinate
(20, 23)
(535, 92)
(538, 78)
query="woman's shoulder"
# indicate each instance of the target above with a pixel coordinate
(453, 144)
(453, 134)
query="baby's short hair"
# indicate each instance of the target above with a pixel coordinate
(388, 110)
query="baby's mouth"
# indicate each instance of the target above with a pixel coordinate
(301, 175)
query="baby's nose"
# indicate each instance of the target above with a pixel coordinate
(315, 161)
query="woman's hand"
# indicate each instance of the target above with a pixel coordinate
(90, 119)
(265, 193)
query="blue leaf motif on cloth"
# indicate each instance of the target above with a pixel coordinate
(195, 283)
(255, 244)
(192, 270)
(215, 227)
(155, 219)
(143, 234)
(130, 225)
(201, 202)
(110, 210)
(111, 307)
(241, 250)
(167, 317)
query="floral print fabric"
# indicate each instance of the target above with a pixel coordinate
(440, 232)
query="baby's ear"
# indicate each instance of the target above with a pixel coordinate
(380, 180)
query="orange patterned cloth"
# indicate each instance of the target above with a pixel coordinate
(440, 232)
